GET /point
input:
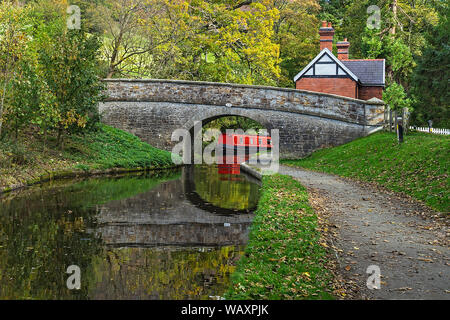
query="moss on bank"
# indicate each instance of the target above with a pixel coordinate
(28, 160)
(284, 258)
(419, 167)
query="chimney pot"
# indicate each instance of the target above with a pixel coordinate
(324, 24)
(330, 25)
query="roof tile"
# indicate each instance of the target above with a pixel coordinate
(369, 72)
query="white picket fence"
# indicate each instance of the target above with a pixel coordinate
(433, 130)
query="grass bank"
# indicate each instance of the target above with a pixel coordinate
(419, 167)
(28, 160)
(284, 258)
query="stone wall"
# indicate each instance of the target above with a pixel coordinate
(153, 109)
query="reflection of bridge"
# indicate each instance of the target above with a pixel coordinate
(171, 214)
(196, 199)
(154, 109)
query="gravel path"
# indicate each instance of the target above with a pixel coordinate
(408, 242)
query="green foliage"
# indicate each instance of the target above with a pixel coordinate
(333, 10)
(24, 99)
(419, 167)
(13, 41)
(284, 258)
(296, 34)
(167, 39)
(13, 153)
(31, 101)
(371, 44)
(407, 36)
(252, 42)
(55, 83)
(395, 97)
(69, 61)
(432, 77)
(233, 122)
(242, 42)
(399, 59)
(410, 22)
(349, 20)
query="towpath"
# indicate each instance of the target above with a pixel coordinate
(369, 226)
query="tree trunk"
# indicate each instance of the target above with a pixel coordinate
(59, 139)
(394, 12)
(392, 31)
(117, 42)
(45, 137)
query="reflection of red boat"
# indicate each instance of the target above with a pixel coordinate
(231, 164)
(229, 168)
(246, 143)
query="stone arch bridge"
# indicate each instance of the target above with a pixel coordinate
(307, 121)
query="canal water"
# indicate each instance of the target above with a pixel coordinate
(172, 235)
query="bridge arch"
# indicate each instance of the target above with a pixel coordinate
(215, 114)
(307, 121)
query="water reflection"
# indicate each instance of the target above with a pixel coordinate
(235, 192)
(163, 273)
(230, 164)
(171, 236)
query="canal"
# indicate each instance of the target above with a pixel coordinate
(166, 235)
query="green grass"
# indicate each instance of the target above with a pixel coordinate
(113, 148)
(419, 167)
(284, 258)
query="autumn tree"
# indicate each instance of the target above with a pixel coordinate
(295, 31)
(237, 35)
(132, 30)
(13, 41)
(68, 62)
(228, 41)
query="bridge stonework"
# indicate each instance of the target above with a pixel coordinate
(307, 121)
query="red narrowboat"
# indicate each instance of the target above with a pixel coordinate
(246, 143)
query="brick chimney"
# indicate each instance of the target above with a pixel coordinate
(343, 49)
(326, 33)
